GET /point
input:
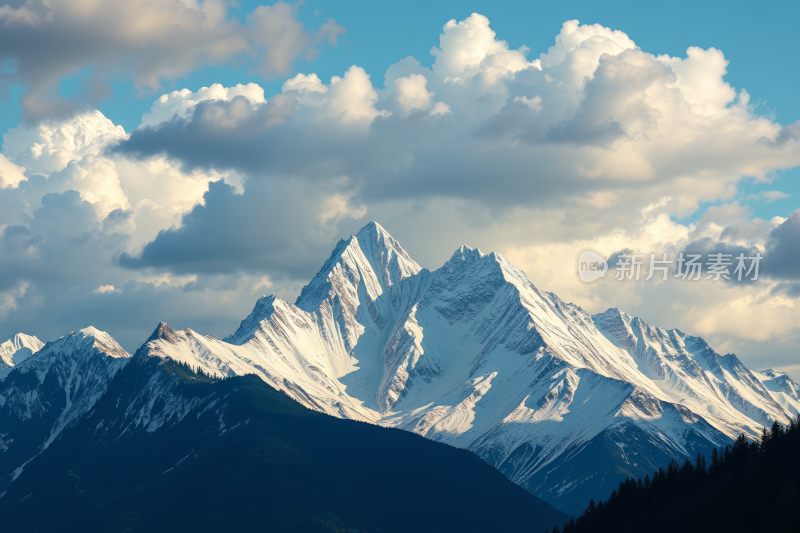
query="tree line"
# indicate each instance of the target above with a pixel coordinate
(750, 485)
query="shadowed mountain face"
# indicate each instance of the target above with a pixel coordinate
(51, 391)
(474, 355)
(166, 450)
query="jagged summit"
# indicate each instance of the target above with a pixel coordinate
(263, 309)
(372, 257)
(17, 349)
(100, 340)
(466, 254)
(162, 331)
(373, 228)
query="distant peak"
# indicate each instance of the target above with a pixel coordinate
(732, 359)
(265, 304)
(467, 254)
(163, 331)
(614, 312)
(21, 339)
(101, 340)
(90, 331)
(772, 373)
(263, 309)
(613, 316)
(18, 348)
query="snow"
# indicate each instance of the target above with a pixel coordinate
(782, 389)
(16, 350)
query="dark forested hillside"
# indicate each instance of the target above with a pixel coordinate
(236, 455)
(749, 487)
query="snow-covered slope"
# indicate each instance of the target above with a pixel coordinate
(52, 390)
(782, 388)
(474, 355)
(16, 350)
(283, 353)
(687, 371)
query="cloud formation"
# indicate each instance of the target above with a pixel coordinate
(147, 41)
(225, 193)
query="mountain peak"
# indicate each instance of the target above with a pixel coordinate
(21, 340)
(773, 373)
(163, 331)
(372, 256)
(467, 254)
(263, 309)
(377, 244)
(91, 331)
(17, 349)
(615, 312)
(100, 339)
(372, 228)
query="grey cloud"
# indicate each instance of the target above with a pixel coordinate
(792, 290)
(221, 134)
(780, 256)
(65, 210)
(613, 94)
(133, 310)
(754, 231)
(611, 97)
(703, 247)
(707, 247)
(272, 228)
(574, 131)
(783, 250)
(394, 159)
(786, 134)
(53, 266)
(514, 121)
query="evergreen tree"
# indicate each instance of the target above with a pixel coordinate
(749, 486)
(714, 462)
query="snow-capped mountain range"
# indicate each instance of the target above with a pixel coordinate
(473, 354)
